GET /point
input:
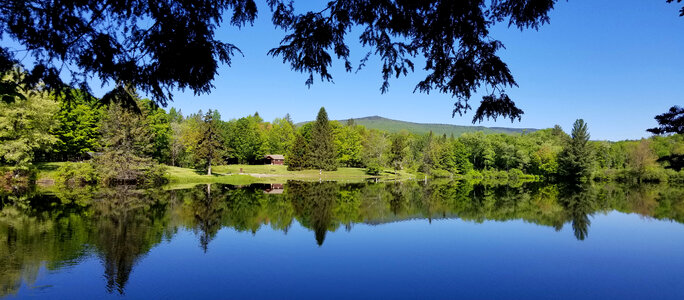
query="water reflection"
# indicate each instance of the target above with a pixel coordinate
(120, 226)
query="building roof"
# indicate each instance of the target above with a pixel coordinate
(275, 156)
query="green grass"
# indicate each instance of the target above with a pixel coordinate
(269, 171)
(230, 174)
(178, 175)
(47, 171)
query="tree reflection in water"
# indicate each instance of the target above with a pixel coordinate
(120, 226)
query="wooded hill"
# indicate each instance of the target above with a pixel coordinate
(393, 126)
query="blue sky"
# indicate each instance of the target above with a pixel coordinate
(616, 64)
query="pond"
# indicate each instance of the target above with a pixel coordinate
(330, 240)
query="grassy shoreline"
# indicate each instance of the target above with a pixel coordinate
(230, 174)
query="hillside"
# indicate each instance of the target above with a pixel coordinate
(377, 122)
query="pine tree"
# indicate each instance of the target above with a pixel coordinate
(574, 162)
(297, 157)
(322, 147)
(128, 147)
(209, 146)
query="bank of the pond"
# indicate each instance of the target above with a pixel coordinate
(47, 174)
(244, 174)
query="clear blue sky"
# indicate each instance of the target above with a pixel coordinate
(614, 63)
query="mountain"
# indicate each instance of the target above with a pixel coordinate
(377, 122)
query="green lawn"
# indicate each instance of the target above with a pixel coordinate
(178, 175)
(230, 174)
(47, 171)
(275, 171)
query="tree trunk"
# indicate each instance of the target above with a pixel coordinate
(209, 166)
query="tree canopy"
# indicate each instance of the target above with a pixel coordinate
(157, 47)
(671, 121)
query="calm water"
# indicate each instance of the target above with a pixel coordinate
(349, 241)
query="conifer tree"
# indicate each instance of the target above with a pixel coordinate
(297, 157)
(209, 146)
(574, 161)
(322, 147)
(128, 146)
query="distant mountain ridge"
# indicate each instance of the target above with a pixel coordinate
(380, 123)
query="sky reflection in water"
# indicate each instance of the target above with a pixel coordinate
(408, 240)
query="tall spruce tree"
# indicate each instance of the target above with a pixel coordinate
(209, 146)
(322, 147)
(298, 155)
(128, 146)
(575, 160)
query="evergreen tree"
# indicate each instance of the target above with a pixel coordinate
(209, 146)
(671, 122)
(574, 162)
(322, 147)
(297, 157)
(397, 152)
(460, 153)
(128, 147)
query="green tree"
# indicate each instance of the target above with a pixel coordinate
(160, 126)
(297, 158)
(672, 122)
(26, 125)
(398, 151)
(460, 157)
(281, 135)
(209, 144)
(77, 132)
(245, 141)
(348, 145)
(574, 162)
(641, 158)
(322, 146)
(128, 146)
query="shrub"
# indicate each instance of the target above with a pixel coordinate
(373, 170)
(78, 173)
(154, 175)
(438, 173)
(516, 174)
(474, 175)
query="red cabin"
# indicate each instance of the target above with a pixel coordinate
(274, 159)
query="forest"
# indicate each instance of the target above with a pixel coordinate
(112, 143)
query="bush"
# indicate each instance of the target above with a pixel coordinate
(473, 175)
(494, 175)
(674, 176)
(516, 174)
(79, 173)
(154, 175)
(438, 173)
(373, 170)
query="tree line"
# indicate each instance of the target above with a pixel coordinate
(132, 143)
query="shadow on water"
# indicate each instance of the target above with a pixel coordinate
(119, 226)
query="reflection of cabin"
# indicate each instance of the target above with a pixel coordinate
(275, 188)
(274, 159)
